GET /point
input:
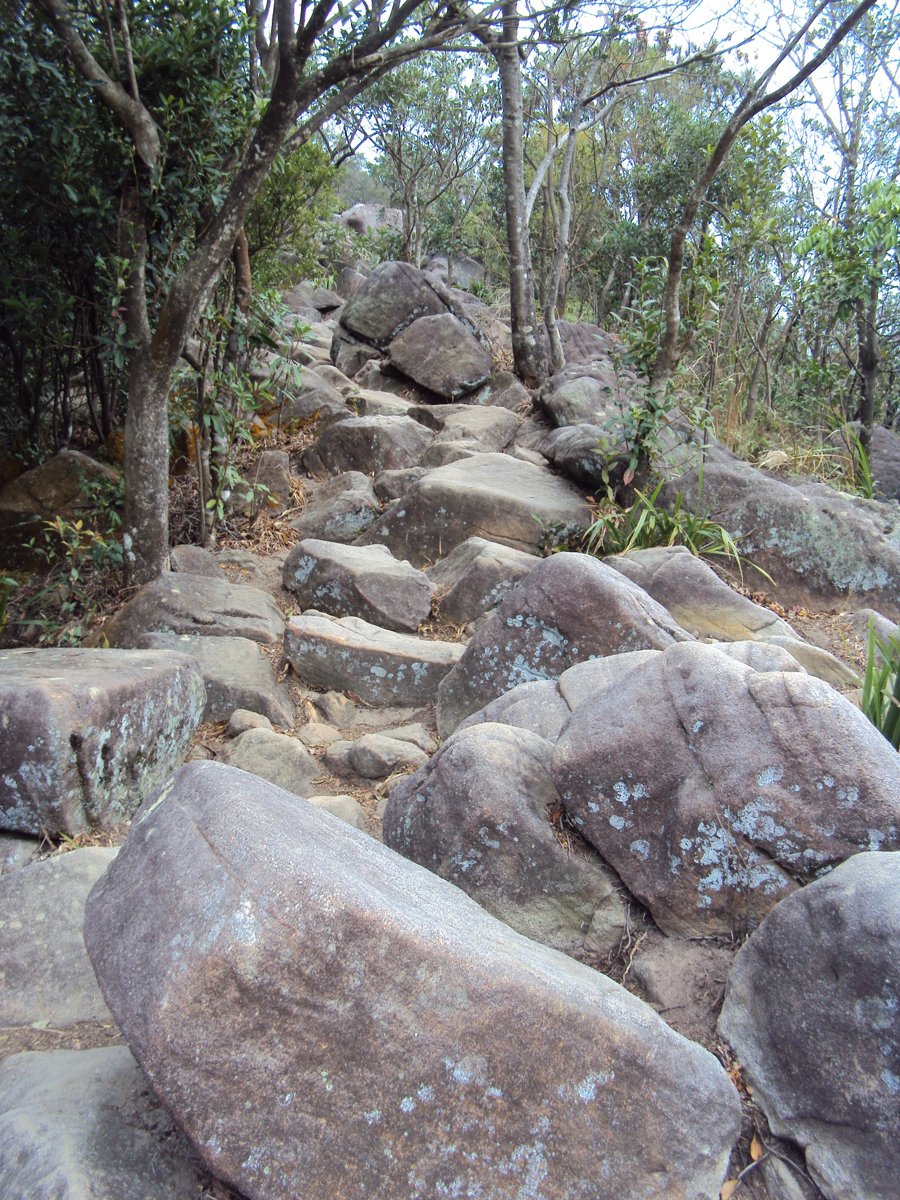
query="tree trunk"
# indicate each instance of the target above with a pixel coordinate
(563, 225)
(528, 349)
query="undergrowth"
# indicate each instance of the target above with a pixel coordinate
(881, 686)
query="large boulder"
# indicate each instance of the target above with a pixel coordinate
(46, 978)
(358, 581)
(811, 1009)
(739, 786)
(85, 735)
(440, 354)
(819, 547)
(493, 496)
(370, 218)
(319, 1031)
(480, 813)
(381, 667)
(393, 296)
(195, 604)
(569, 608)
(83, 1125)
(368, 445)
(280, 759)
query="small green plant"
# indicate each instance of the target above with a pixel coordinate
(861, 466)
(7, 587)
(646, 524)
(881, 686)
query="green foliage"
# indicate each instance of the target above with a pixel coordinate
(82, 569)
(284, 224)
(646, 524)
(881, 686)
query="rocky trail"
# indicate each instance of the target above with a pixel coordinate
(409, 862)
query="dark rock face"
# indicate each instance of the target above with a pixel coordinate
(286, 1012)
(479, 814)
(493, 496)
(742, 784)
(358, 581)
(811, 1010)
(179, 603)
(819, 546)
(440, 354)
(86, 735)
(569, 608)
(83, 1125)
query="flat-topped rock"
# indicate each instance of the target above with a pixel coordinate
(569, 608)
(369, 445)
(381, 667)
(84, 1125)
(194, 604)
(45, 974)
(358, 581)
(237, 674)
(293, 989)
(85, 735)
(493, 496)
(491, 428)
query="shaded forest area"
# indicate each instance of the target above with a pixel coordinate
(726, 207)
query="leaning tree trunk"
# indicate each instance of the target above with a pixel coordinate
(528, 349)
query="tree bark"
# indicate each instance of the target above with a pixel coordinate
(528, 349)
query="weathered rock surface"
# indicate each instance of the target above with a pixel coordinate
(440, 354)
(16, 852)
(376, 756)
(393, 296)
(379, 666)
(83, 1125)
(819, 547)
(490, 428)
(493, 496)
(708, 608)
(280, 759)
(349, 354)
(538, 707)
(194, 560)
(476, 575)
(286, 1011)
(45, 974)
(315, 401)
(195, 604)
(502, 390)
(343, 508)
(569, 608)
(743, 784)
(369, 444)
(367, 218)
(358, 581)
(237, 674)
(85, 735)
(480, 814)
(811, 1010)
